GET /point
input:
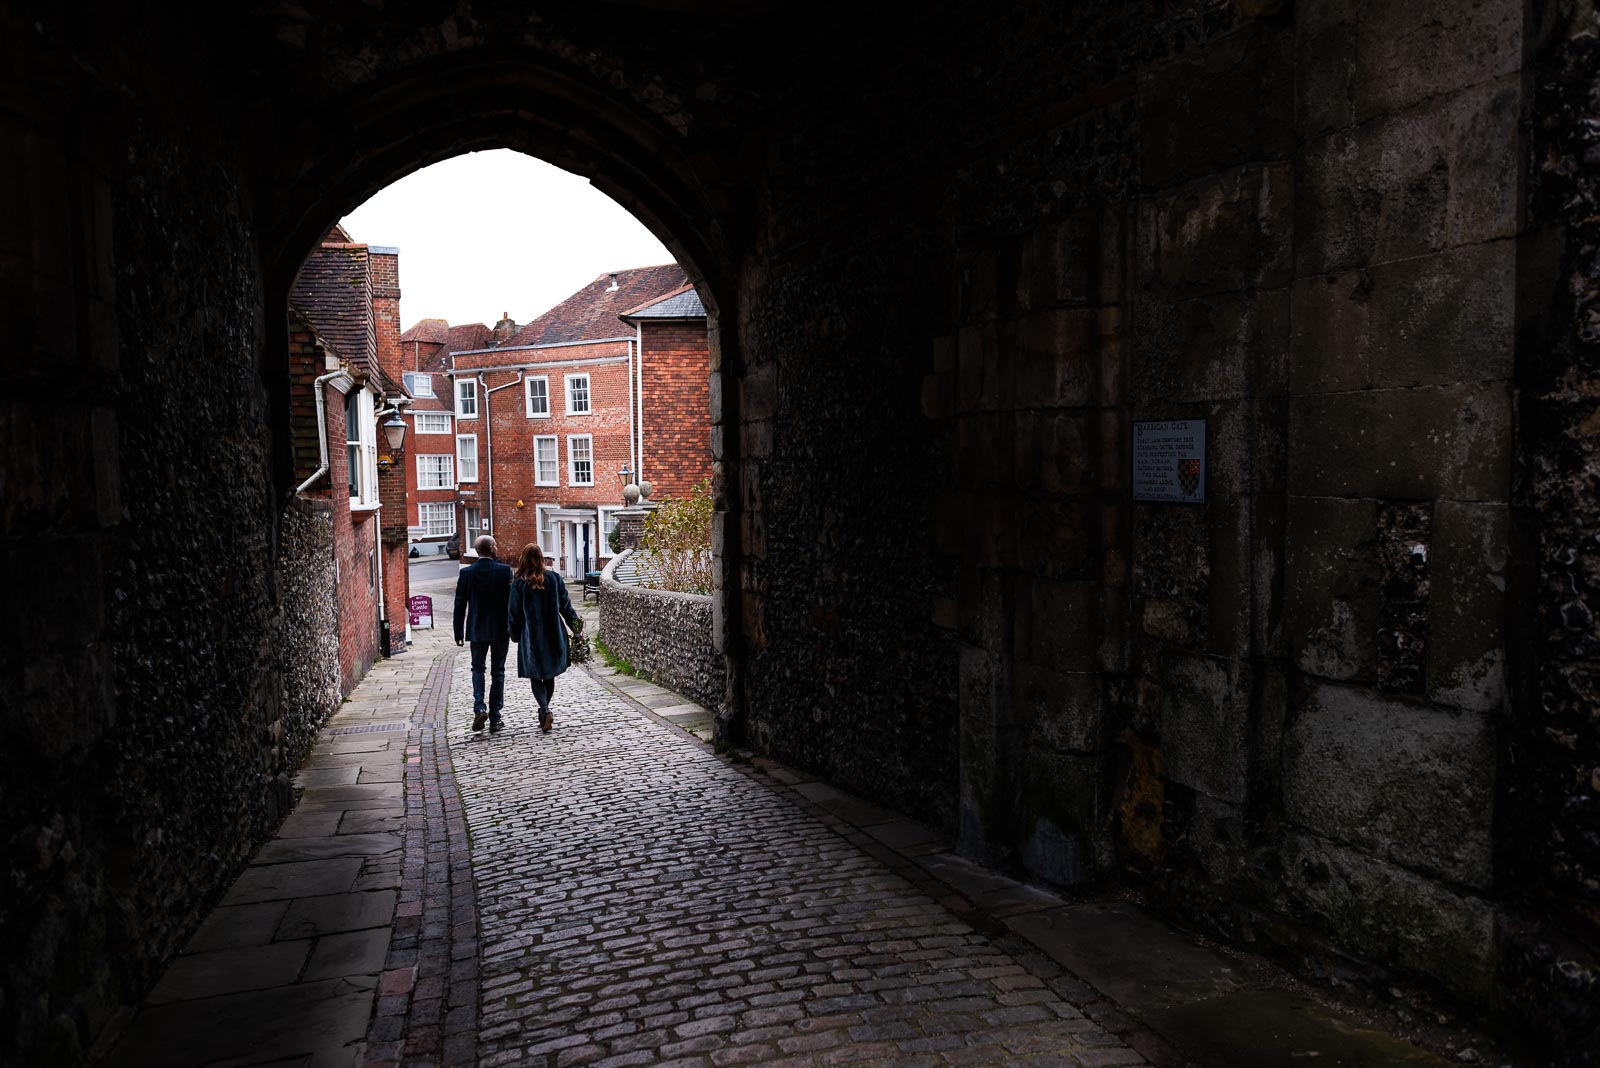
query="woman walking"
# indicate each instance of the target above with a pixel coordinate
(538, 604)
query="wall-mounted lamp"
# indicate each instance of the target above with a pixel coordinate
(395, 430)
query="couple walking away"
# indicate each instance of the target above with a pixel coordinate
(495, 606)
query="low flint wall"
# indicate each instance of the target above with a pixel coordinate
(665, 635)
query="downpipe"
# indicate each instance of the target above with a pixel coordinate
(319, 389)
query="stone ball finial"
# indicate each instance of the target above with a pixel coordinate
(644, 489)
(630, 493)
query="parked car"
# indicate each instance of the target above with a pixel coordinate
(452, 547)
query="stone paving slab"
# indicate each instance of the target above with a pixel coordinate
(286, 970)
(238, 925)
(318, 1024)
(329, 914)
(229, 971)
(275, 882)
(321, 847)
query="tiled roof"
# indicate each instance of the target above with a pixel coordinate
(428, 331)
(683, 304)
(468, 336)
(591, 313)
(434, 403)
(433, 340)
(338, 234)
(334, 292)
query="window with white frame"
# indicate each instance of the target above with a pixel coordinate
(547, 461)
(538, 390)
(361, 448)
(466, 398)
(419, 385)
(433, 423)
(466, 457)
(547, 528)
(580, 460)
(438, 520)
(578, 395)
(608, 524)
(436, 471)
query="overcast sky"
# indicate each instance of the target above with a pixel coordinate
(493, 232)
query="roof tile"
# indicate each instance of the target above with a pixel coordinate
(334, 293)
(591, 313)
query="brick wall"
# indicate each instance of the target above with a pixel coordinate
(676, 406)
(384, 270)
(354, 539)
(514, 432)
(305, 366)
(392, 492)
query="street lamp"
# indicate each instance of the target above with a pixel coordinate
(395, 430)
(630, 492)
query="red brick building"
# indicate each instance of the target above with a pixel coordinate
(344, 333)
(545, 415)
(673, 392)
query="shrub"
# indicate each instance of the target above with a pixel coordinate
(678, 538)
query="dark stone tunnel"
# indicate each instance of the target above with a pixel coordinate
(1344, 710)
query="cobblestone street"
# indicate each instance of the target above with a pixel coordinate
(629, 897)
(644, 902)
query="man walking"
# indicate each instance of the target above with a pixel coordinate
(481, 593)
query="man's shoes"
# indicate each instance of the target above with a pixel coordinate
(546, 721)
(496, 725)
(478, 719)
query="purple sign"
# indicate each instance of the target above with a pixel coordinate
(421, 609)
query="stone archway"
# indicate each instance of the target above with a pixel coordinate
(449, 107)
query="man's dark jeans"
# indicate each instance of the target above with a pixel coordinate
(497, 673)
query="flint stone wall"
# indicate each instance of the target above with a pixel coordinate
(665, 635)
(308, 631)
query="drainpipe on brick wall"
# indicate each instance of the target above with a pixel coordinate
(631, 438)
(318, 388)
(638, 347)
(488, 441)
(377, 525)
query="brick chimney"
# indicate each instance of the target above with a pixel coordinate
(384, 265)
(503, 330)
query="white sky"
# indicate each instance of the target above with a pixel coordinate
(493, 232)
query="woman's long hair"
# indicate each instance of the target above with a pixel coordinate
(530, 567)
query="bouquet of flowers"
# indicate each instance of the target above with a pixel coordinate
(579, 651)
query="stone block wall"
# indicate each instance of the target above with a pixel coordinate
(1283, 710)
(666, 635)
(1548, 845)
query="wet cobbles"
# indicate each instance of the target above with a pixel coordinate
(644, 903)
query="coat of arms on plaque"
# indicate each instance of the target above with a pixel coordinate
(1189, 475)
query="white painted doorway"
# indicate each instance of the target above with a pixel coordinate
(573, 535)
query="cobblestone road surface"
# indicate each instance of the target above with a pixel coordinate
(642, 902)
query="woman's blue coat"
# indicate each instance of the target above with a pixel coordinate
(534, 617)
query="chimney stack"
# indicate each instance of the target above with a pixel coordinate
(503, 330)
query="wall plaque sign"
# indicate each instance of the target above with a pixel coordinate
(1169, 461)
